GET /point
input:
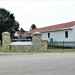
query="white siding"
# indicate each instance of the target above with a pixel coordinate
(58, 35)
(74, 33)
(45, 36)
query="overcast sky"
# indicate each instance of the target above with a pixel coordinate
(41, 13)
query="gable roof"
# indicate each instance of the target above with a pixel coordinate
(54, 27)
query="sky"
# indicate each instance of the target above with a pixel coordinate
(42, 13)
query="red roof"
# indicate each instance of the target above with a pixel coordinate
(21, 32)
(54, 27)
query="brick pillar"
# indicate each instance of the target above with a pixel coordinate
(6, 41)
(37, 40)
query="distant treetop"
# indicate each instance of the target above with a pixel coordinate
(33, 26)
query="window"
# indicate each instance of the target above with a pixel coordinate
(48, 35)
(66, 34)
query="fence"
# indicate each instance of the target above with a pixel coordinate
(63, 44)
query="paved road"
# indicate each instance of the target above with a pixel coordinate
(37, 64)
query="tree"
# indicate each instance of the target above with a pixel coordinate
(7, 22)
(33, 26)
(22, 30)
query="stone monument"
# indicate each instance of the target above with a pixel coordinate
(36, 44)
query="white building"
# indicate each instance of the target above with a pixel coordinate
(59, 32)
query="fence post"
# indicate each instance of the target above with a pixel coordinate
(63, 45)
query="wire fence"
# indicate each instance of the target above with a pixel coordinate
(62, 44)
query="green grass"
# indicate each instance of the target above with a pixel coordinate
(61, 50)
(0, 48)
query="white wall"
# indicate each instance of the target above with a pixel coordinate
(45, 36)
(58, 35)
(73, 33)
(16, 34)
